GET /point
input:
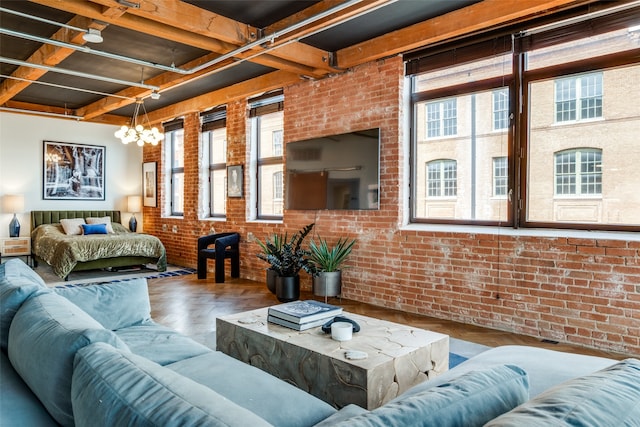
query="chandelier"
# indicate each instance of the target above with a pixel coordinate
(137, 132)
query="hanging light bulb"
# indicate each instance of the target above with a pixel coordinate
(137, 132)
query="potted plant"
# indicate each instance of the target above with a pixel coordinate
(327, 262)
(271, 246)
(287, 259)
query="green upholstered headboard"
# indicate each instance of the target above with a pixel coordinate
(54, 217)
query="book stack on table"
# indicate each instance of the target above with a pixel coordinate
(302, 315)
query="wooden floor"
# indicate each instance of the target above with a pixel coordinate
(191, 306)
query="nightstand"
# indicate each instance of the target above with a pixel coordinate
(15, 246)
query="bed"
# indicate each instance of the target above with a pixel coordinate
(69, 253)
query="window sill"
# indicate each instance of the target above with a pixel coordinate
(535, 232)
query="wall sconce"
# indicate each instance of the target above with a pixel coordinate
(14, 204)
(134, 203)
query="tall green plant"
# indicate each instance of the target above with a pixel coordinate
(286, 255)
(326, 258)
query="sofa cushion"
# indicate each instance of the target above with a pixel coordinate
(544, 367)
(610, 397)
(17, 283)
(274, 400)
(18, 405)
(470, 400)
(115, 388)
(44, 336)
(159, 343)
(114, 305)
(344, 413)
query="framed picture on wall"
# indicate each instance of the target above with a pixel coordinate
(234, 181)
(73, 171)
(149, 184)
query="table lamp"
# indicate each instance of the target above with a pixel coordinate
(14, 204)
(135, 205)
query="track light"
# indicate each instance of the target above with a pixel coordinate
(155, 95)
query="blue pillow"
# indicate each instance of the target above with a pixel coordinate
(94, 228)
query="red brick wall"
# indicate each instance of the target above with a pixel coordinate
(579, 290)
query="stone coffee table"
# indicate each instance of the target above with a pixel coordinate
(399, 356)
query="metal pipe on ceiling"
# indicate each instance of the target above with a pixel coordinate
(77, 89)
(77, 73)
(174, 69)
(41, 113)
(268, 49)
(241, 49)
(47, 21)
(87, 49)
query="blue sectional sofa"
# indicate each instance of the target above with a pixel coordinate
(92, 356)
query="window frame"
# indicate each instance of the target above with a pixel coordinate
(175, 171)
(211, 122)
(258, 107)
(519, 81)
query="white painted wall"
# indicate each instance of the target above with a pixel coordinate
(21, 165)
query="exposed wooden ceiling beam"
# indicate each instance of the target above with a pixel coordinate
(164, 81)
(311, 60)
(188, 17)
(322, 23)
(257, 85)
(46, 55)
(478, 17)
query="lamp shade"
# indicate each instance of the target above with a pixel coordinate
(134, 203)
(13, 203)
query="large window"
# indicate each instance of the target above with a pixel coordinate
(214, 140)
(174, 144)
(546, 135)
(267, 124)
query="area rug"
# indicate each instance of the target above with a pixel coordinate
(104, 276)
(460, 350)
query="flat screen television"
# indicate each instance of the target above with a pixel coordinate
(334, 172)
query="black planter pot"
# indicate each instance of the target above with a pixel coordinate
(288, 288)
(271, 280)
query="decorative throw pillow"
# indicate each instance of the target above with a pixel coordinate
(72, 226)
(94, 228)
(101, 220)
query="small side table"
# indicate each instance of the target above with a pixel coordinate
(16, 246)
